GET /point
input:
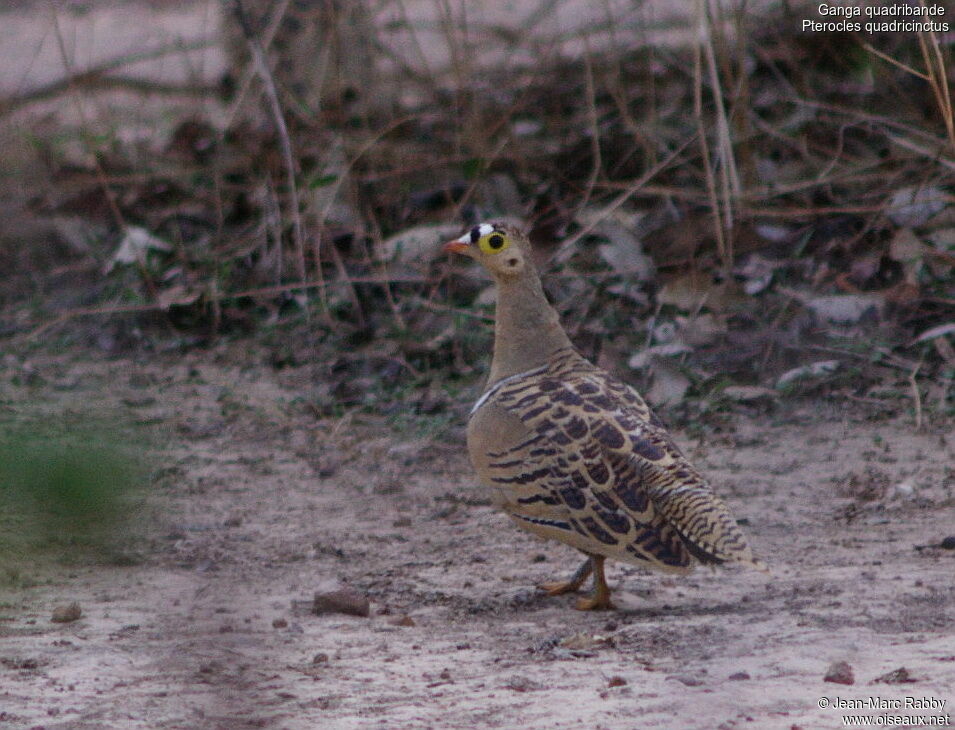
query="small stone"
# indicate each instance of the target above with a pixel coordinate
(840, 673)
(402, 621)
(342, 601)
(896, 676)
(687, 680)
(583, 641)
(234, 521)
(616, 681)
(320, 658)
(518, 683)
(948, 543)
(66, 613)
(739, 676)
(279, 623)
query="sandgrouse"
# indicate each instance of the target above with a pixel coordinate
(571, 453)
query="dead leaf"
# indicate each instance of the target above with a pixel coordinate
(773, 233)
(702, 329)
(669, 384)
(133, 247)
(908, 250)
(813, 370)
(694, 290)
(627, 259)
(749, 393)
(677, 243)
(846, 308)
(178, 295)
(905, 246)
(645, 357)
(756, 272)
(914, 206)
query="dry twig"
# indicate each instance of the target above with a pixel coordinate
(288, 156)
(916, 396)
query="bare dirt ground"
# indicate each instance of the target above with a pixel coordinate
(254, 503)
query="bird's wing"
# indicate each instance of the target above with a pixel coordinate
(597, 462)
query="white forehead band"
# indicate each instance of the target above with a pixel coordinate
(477, 232)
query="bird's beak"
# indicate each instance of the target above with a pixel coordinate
(459, 245)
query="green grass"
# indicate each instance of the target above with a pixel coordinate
(66, 489)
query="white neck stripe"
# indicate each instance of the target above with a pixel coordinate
(501, 383)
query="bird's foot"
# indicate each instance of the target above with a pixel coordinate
(559, 587)
(599, 600)
(595, 603)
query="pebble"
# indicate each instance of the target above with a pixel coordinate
(948, 543)
(686, 680)
(896, 676)
(66, 613)
(342, 601)
(616, 681)
(840, 673)
(739, 676)
(279, 623)
(320, 658)
(518, 683)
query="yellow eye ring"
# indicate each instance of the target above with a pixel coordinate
(493, 242)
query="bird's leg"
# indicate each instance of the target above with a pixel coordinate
(575, 582)
(600, 598)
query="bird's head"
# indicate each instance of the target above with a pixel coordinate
(501, 249)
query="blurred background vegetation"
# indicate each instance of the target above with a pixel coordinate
(68, 490)
(728, 208)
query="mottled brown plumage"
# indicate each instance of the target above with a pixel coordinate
(571, 453)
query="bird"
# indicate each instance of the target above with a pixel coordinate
(573, 454)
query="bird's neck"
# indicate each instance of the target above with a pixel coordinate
(527, 330)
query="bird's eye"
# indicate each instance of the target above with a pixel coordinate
(494, 242)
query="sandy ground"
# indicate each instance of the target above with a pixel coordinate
(253, 504)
